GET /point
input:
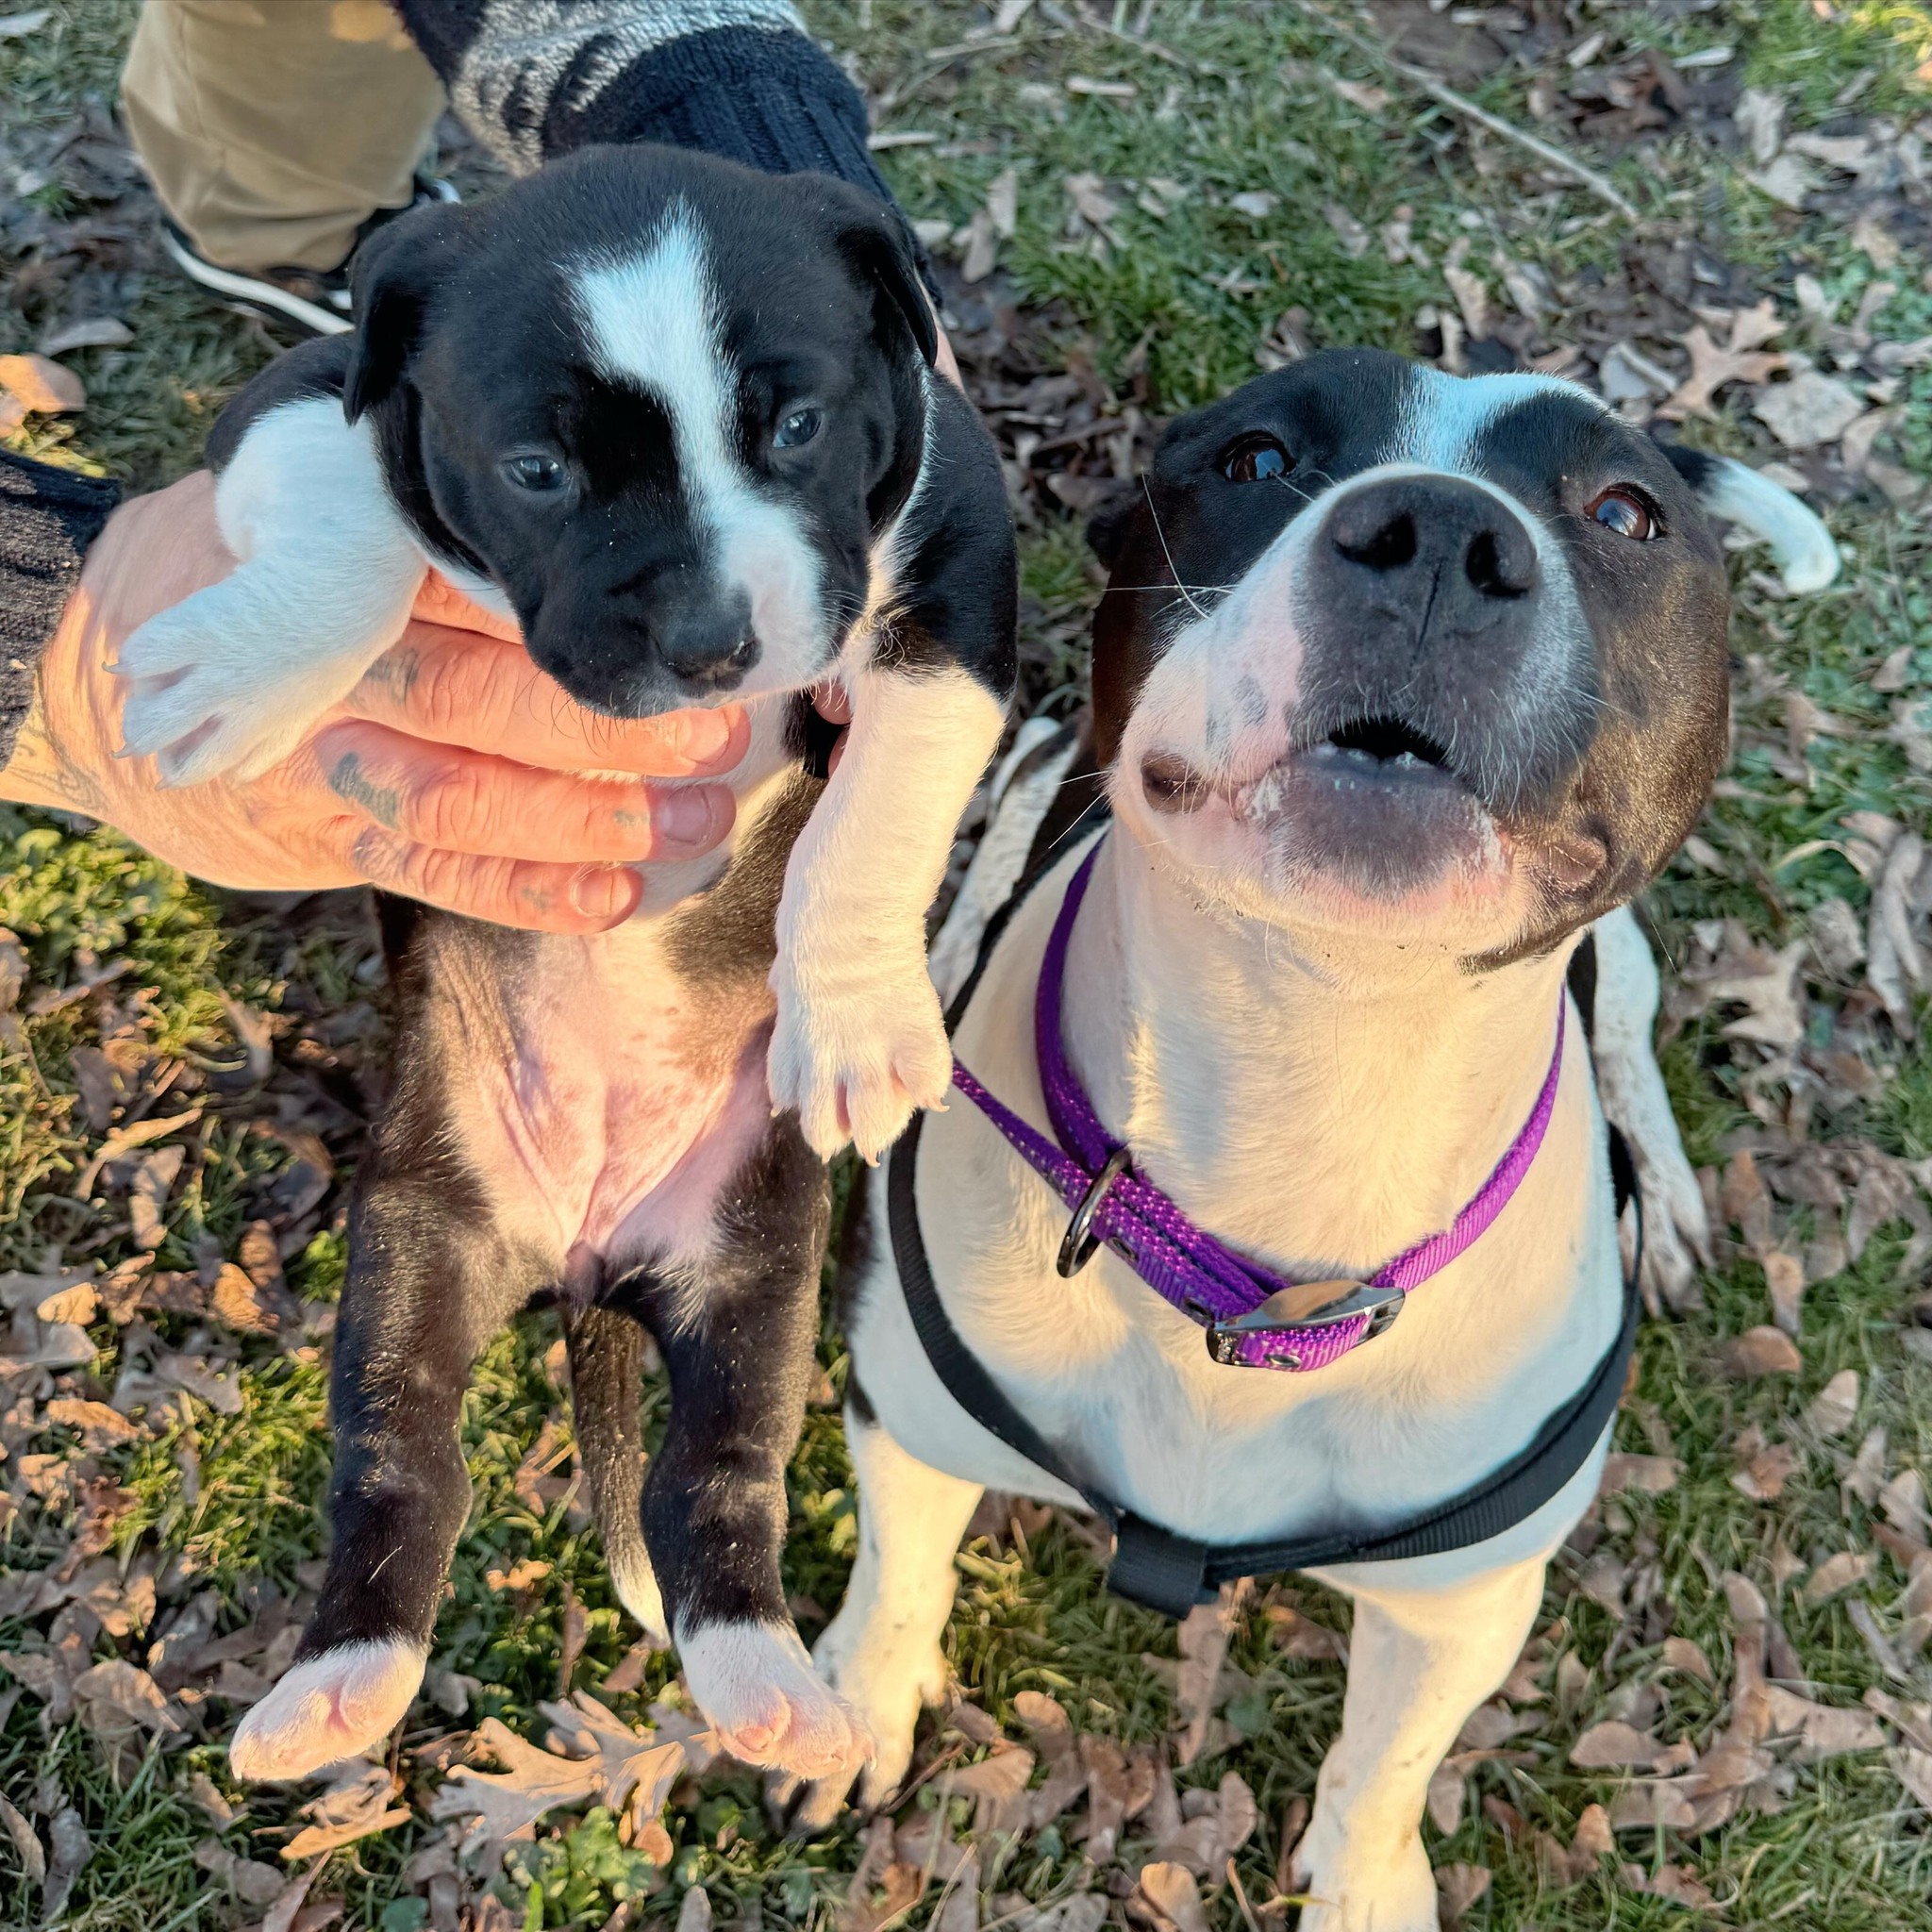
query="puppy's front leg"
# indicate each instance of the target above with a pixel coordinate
(860, 1039)
(1419, 1663)
(231, 677)
(736, 1332)
(428, 1284)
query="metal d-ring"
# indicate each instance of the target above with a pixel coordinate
(1078, 1245)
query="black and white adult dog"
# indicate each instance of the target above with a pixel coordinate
(679, 418)
(1400, 682)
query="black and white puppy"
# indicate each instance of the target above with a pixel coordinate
(679, 419)
(1399, 683)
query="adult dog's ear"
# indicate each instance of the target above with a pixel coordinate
(1806, 557)
(877, 242)
(394, 274)
(1107, 528)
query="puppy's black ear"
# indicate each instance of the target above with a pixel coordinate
(392, 278)
(880, 248)
(1107, 528)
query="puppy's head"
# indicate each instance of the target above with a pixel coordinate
(663, 401)
(1422, 661)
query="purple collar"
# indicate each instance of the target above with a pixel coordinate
(1252, 1317)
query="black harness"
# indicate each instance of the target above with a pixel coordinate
(1171, 1572)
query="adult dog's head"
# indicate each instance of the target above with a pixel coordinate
(665, 402)
(1428, 660)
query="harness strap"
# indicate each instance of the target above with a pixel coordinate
(1167, 1572)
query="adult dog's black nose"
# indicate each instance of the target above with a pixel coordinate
(706, 640)
(1447, 549)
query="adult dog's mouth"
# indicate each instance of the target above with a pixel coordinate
(1376, 805)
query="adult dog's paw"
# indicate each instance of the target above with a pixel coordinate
(329, 1708)
(768, 1706)
(855, 1063)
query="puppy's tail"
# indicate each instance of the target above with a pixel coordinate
(606, 1372)
(1807, 557)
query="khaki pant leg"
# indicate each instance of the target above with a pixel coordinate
(273, 128)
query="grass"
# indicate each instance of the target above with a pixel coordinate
(1168, 307)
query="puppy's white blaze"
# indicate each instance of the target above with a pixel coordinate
(330, 1707)
(1807, 557)
(651, 320)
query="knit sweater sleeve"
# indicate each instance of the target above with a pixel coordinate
(741, 79)
(48, 517)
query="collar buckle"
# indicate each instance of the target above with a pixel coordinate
(1080, 1242)
(1306, 1305)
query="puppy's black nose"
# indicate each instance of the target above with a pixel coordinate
(707, 642)
(1447, 543)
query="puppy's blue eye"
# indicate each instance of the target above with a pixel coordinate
(534, 471)
(1256, 460)
(1626, 513)
(797, 429)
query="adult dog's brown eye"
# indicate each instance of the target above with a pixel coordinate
(1256, 460)
(1626, 513)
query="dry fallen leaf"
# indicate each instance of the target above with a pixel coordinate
(506, 1807)
(997, 1786)
(45, 386)
(1052, 1734)
(1173, 1897)
(628, 1760)
(1809, 410)
(1611, 1745)
(1838, 1574)
(1762, 1351)
(1712, 367)
(1203, 1641)
(1824, 1730)
(1459, 1887)
(1835, 1407)
(27, 1846)
(1650, 1476)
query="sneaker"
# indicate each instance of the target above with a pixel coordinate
(310, 302)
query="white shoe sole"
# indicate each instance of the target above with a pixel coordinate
(256, 292)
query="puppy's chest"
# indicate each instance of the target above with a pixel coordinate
(605, 1097)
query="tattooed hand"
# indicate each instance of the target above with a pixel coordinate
(451, 773)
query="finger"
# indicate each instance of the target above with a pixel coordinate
(503, 892)
(439, 601)
(461, 801)
(456, 687)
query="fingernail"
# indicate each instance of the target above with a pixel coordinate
(707, 734)
(605, 892)
(688, 819)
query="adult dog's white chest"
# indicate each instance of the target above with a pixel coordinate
(1328, 1161)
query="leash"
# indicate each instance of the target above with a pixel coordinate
(1254, 1318)
(1151, 1564)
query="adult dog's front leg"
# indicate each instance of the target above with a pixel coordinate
(737, 1335)
(426, 1291)
(860, 1039)
(1676, 1228)
(1419, 1663)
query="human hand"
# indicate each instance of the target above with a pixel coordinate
(452, 773)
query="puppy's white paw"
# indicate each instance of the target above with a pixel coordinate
(886, 1684)
(767, 1704)
(189, 706)
(330, 1707)
(853, 1063)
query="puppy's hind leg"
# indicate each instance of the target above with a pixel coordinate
(1676, 1228)
(428, 1284)
(881, 1653)
(606, 1365)
(737, 1330)
(1419, 1663)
